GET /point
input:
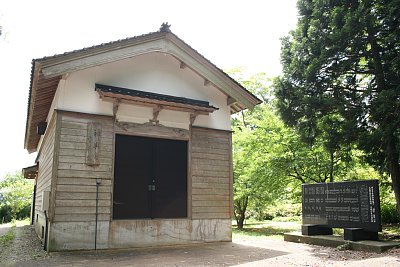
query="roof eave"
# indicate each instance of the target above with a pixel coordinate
(32, 88)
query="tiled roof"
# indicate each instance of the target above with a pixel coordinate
(149, 95)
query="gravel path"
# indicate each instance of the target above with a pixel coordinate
(24, 247)
(26, 250)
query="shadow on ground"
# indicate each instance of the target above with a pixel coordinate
(212, 254)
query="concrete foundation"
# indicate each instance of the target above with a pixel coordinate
(40, 225)
(137, 233)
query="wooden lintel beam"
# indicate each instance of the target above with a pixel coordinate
(156, 111)
(153, 102)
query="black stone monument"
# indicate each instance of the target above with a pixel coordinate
(352, 205)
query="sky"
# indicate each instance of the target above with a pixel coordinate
(229, 33)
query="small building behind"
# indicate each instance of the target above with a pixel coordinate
(134, 145)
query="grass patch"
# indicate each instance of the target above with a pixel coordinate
(265, 229)
(275, 230)
(7, 238)
(391, 232)
(287, 219)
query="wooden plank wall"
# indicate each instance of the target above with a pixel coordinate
(211, 173)
(76, 178)
(45, 159)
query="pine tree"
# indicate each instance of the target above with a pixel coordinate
(342, 66)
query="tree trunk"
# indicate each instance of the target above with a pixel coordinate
(242, 214)
(394, 168)
(392, 155)
(331, 165)
(240, 222)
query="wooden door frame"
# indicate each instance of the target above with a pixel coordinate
(154, 131)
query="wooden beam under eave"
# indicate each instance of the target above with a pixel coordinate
(230, 101)
(116, 103)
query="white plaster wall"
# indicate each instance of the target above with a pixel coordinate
(153, 72)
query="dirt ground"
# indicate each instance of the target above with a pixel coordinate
(26, 250)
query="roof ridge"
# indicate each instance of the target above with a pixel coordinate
(95, 46)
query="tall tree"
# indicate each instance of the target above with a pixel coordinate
(341, 66)
(270, 159)
(15, 196)
(252, 184)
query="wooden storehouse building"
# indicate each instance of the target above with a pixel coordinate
(134, 145)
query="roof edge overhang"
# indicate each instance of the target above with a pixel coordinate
(41, 94)
(30, 172)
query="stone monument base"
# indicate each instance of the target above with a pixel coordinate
(357, 234)
(314, 229)
(335, 241)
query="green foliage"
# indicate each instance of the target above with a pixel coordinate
(389, 213)
(341, 81)
(272, 160)
(345, 246)
(284, 209)
(253, 139)
(15, 196)
(5, 213)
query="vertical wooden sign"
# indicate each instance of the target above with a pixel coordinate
(93, 143)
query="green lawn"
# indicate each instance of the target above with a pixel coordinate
(265, 229)
(391, 232)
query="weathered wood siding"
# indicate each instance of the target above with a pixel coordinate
(45, 172)
(76, 177)
(211, 173)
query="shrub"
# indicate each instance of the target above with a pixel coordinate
(389, 213)
(15, 197)
(23, 213)
(283, 210)
(287, 219)
(5, 214)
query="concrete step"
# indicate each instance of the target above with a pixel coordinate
(335, 241)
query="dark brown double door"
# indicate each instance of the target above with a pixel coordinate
(150, 178)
